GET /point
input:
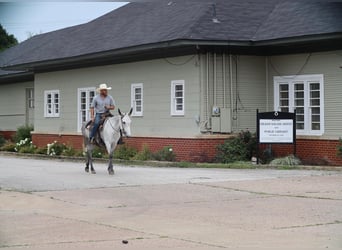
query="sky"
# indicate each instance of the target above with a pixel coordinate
(24, 19)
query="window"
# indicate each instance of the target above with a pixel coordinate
(304, 94)
(51, 103)
(137, 99)
(177, 98)
(85, 98)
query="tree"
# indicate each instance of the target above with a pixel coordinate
(6, 40)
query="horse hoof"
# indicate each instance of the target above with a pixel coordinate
(111, 172)
(86, 169)
(93, 171)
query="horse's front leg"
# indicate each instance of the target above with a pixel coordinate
(90, 160)
(110, 165)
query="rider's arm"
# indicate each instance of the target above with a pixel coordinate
(92, 114)
(110, 107)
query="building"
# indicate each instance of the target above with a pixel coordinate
(194, 72)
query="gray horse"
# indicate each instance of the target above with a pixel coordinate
(110, 135)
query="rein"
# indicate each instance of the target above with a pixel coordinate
(115, 129)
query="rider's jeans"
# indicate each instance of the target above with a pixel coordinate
(97, 121)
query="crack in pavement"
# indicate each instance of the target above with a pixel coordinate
(267, 194)
(134, 230)
(336, 222)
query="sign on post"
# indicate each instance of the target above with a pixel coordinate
(276, 128)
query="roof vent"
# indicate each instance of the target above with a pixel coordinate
(215, 19)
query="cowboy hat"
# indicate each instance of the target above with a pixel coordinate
(103, 86)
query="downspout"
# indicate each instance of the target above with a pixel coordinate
(215, 78)
(207, 90)
(231, 82)
(224, 80)
(267, 83)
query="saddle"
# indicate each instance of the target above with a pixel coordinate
(89, 125)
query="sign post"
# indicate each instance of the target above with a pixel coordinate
(276, 128)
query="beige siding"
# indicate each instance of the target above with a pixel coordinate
(156, 75)
(326, 63)
(13, 105)
(247, 84)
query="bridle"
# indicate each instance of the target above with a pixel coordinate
(121, 129)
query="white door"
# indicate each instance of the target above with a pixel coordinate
(85, 97)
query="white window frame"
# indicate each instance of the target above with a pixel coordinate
(174, 111)
(79, 116)
(53, 113)
(134, 86)
(306, 79)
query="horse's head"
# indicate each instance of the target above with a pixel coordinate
(126, 122)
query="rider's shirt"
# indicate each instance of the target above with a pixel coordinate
(99, 103)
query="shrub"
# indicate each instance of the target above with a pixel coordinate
(10, 147)
(68, 151)
(240, 148)
(290, 160)
(55, 148)
(165, 154)
(124, 152)
(23, 132)
(24, 146)
(2, 140)
(144, 155)
(339, 148)
(99, 152)
(27, 149)
(41, 151)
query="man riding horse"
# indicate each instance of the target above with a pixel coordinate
(112, 127)
(100, 107)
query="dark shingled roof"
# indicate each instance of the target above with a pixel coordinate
(142, 23)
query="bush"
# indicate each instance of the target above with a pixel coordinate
(124, 152)
(339, 148)
(69, 151)
(240, 148)
(165, 154)
(24, 146)
(22, 133)
(144, 155)
(56, 148)
(10, 147)
(41, 151)
(31, 149)
(290, 160)
(2, 140)
(99, 152)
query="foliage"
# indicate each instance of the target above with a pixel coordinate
(24, 146)
(339, 148)
(69, 151)
(240, 148)
(56, 148)
(9, 147)
(99, 152)
(23, 132)
(6, 40)
(41, 151)
(290, 160)
(124, 152)
(165, 154)
(2, 140)
(144, 155)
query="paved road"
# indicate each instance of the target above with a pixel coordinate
(51, 204)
